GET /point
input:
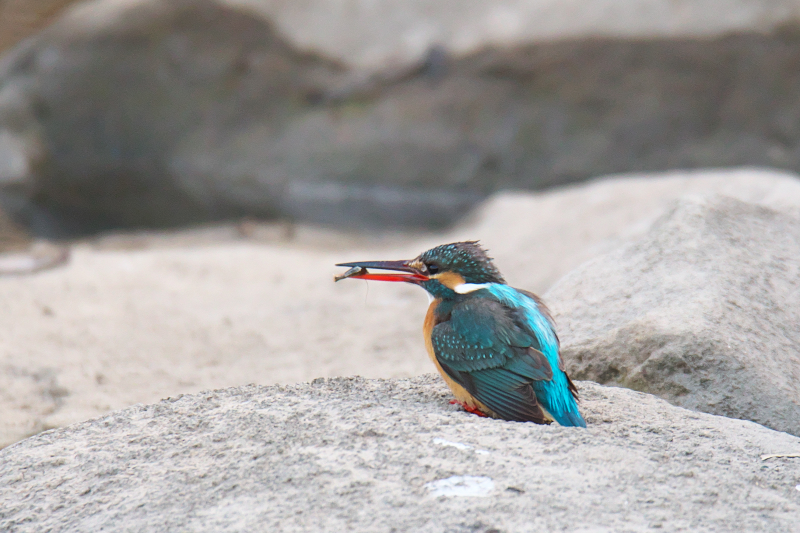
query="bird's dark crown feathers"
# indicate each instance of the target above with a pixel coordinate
(466, 258)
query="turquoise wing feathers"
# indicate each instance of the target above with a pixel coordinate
(503, 350)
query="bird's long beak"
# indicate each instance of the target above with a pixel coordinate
(403, 272)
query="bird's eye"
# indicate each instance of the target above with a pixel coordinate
(433, 269)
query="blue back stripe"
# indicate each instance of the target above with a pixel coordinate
(556, 396)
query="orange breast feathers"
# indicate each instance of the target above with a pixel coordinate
(459, 392)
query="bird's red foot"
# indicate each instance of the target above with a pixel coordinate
(468, 408)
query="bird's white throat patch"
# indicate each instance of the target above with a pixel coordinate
(465, 288)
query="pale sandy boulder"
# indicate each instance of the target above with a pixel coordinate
(114, 327)
(136, 318)
(703, 310)
(360, 455)
(538, 237)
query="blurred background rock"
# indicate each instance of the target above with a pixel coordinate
(380, 114)
(22, 18)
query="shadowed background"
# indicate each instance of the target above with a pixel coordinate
(139, 113)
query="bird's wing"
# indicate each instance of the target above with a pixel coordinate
(494, 357)
(543, 309)
(549, 317)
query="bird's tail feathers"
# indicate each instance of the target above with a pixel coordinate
(570, 419)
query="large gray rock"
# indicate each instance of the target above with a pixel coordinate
(703, 311)
(356, 455)
(134, 318)
(143, 113)
(537, 238)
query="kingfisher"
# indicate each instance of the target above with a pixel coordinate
(495, 346)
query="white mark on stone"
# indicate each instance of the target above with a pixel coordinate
(780, 455)
(470, 486)
(797, 487)
(458, 445)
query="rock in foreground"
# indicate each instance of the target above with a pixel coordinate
(702, 311)
(354, 455)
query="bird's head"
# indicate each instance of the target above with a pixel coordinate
(444, 271)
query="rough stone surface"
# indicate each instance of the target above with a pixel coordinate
(703, 311)
(141, 113)
(355, 455)
(133, 318)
